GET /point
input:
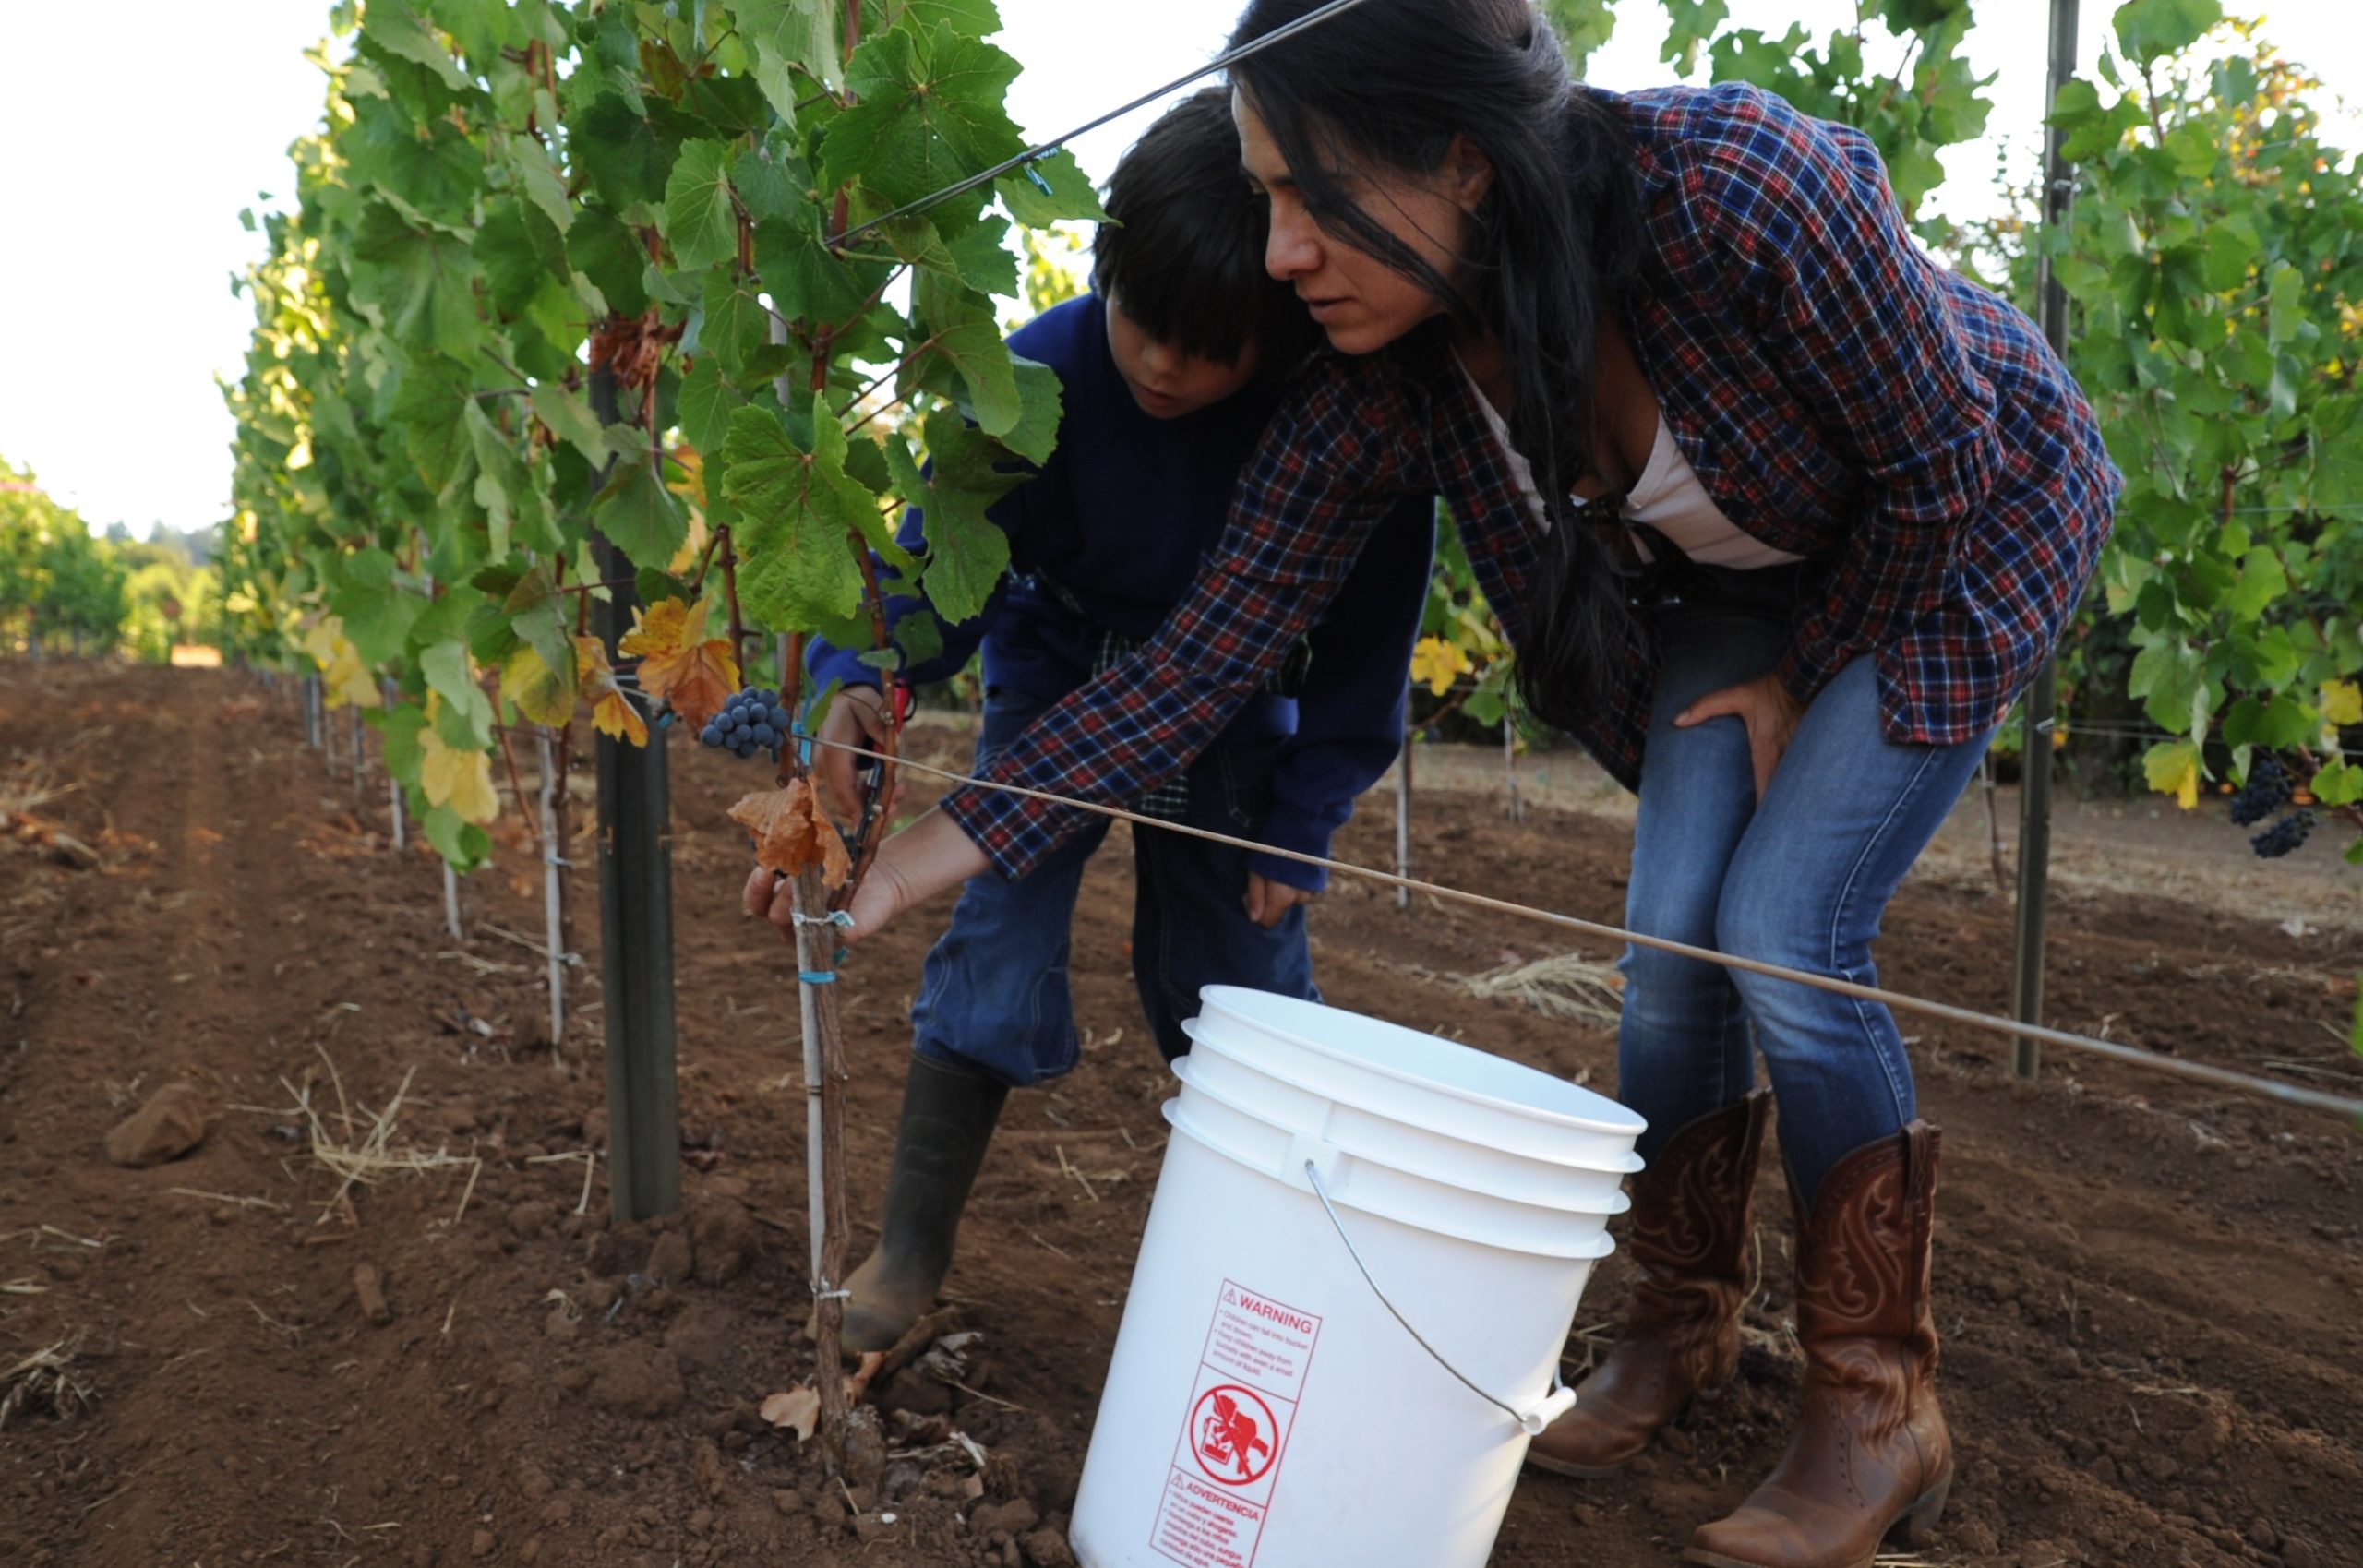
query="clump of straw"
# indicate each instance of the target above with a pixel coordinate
(1565, 984)
(366, 1150)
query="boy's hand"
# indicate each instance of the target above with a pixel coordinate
(857, 717)
(1269, 900)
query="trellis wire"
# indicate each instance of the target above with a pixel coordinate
(2221, 1077)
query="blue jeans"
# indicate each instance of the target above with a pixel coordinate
(1800, 878)
(994, 994)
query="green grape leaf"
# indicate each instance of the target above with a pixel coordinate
(518, 249)
(920, 637)
(962, 335)
(1582, 26)
(612, 257)
(1692, 26)
(966, 551)
(2244, 723)
(2337, 782)
(492, 637)
(504, 489)
(398, 730)
(1039, 397)
(789, 33)
(378, 613)
(446, 667)
(466, 846)
(2149, 29)
(434, 396)
(699, 217)
(396, 27)
(767, 187)
(419, 278)
(569, 418)
(2337, 440)
(706, 404)
(639, 515)
(1070, 196)
(978, 18)
(929, 113)
(800, 513)
(2169, 678)
(977, 258)
(432, 168)
(624, 152)
(539, 183)
(735, 330)
(806, 282)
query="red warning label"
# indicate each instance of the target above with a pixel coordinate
(1226, 1466)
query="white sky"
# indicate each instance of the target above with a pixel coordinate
(118, 205)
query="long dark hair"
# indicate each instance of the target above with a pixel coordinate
(1554, 247)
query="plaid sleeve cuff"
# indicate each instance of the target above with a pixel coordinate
(1014, 831)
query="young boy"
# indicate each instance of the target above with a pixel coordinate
(1169, 371)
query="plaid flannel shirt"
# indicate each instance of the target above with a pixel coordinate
(1840, 395)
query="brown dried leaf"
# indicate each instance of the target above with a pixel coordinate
(793, 832)
(795, 1409)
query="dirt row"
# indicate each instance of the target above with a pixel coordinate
(2152, 1355)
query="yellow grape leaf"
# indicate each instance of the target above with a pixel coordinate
(2342, 703)
(611, 710)
(679, 662)
(792, 833)
(347, 681)
(462, 780)
(1439, 664)
(692, 550)
(539, 690)
(2172, 768)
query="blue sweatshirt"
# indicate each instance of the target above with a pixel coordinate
(1116, 524)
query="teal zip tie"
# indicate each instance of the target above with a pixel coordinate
(817, 976)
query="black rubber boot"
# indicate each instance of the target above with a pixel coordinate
(948, 1117)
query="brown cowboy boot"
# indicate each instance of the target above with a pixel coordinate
(1691, 1222)
(1871, 1453)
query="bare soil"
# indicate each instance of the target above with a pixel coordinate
(2153, 1354)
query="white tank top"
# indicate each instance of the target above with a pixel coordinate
(1668, 497)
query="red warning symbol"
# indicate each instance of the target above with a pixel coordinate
(1232, 1436)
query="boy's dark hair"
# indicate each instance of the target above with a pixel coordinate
(1184, 252)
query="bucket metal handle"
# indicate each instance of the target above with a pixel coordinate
(1558, 1403)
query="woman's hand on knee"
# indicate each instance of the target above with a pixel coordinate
(1767, 709)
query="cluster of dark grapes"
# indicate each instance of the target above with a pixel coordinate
(752, 721)
(2283, 835)
(2266, 792)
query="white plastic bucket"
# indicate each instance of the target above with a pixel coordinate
(1265, 1407)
